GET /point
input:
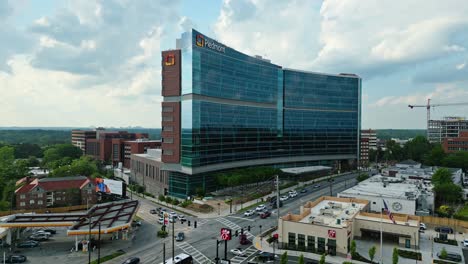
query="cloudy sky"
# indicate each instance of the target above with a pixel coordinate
(97, 62)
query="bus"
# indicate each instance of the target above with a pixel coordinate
(180, 259)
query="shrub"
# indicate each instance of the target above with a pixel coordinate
(443, 253)
(409, 254)
(361, 177)
(395, 256)
(162, 233)
(447, 242)
(161, 198)
(140, 189)
(168, 200)
(186, 203)
(175, 202)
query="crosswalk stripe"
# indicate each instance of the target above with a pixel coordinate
(197, 255)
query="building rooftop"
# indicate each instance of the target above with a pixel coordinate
(388, 187)
(408, 162)
(143, 140)
(300, 170)
(52, 184)
(152, 154)
(329, 211)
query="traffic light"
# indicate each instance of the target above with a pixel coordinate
(237, 233)
(260, 226)
(188, 222)
(194, 224)
(248, 228)
(242, 231)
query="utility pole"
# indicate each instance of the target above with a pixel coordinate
(173, 237)
(164, 253)
(277, 198)
(90, 218)
(225, 250)
(217, 253)
(99, 244)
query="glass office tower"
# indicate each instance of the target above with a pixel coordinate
(223, 109)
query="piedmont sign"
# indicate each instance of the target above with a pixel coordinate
(201, 41)
(225, 234)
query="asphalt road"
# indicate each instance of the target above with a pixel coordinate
(200, 242)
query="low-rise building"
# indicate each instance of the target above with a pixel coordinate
(146, 171)
(413, 197)
(54, 192)
(329, 224)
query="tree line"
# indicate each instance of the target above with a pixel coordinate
(421, 150)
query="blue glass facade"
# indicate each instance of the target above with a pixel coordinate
(238, 110)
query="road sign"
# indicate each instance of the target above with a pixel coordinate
(226, 234)
(331, 233)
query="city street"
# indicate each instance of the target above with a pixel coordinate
(200, 242)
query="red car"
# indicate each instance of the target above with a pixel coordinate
(265, 214)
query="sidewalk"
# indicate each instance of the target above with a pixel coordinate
(265, 247)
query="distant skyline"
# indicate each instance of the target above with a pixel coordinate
(97, 63)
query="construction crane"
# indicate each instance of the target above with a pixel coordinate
(428, 106)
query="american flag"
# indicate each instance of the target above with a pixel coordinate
(387, 211)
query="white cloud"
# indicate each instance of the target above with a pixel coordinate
(43, 21)
(441, 94)
(454, 48)
(460, 66)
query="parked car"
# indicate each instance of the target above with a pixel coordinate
(317, 186)
(274, 205)
(40, 231)
(292, 194)
(161, 220)
(172, 219)
(249, 213)
(304, 190)
(465, 242)
(180, 236)
(451, 256)
(173, 215)
(266, 256)
(48, 230)
(284, 198)
(444, 229)
(132, 260)
(15, 259)
(153, 211)
(182, 218)
(260, 207)
(265, 214)
(422, 226)
(39, 237)
(136, 223)
(28, 244)
(238, 252)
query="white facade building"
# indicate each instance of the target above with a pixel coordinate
(413, 197)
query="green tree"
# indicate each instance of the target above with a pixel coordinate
(301, 259)
(442, 176)
(445, 211)
(436, 156)
(443, 253)
(393, 151)
(457, 160)
(395, 256)
(59, 152)
(284, 258)
(352, 248)
(448, 193)
(372, 251)
(361, 177)
(417, 148)
(24, 150)
(322, 259)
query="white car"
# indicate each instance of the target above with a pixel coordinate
(238, 252)
(422, 226)
(172, 215)
(249, 212)
(292, 194)
(161, 220)
(42, 232)
(284, 198)
(465, 242)
(260, 207)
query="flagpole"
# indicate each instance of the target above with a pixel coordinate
(381, 235)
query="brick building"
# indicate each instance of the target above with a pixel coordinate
(364, 158)
(455, 144)
(138, 146)
(79, 137)
(55, 192)
(109, 146)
